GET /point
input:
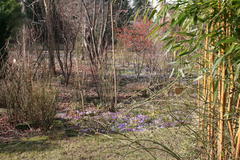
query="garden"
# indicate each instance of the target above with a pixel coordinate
(110, 80)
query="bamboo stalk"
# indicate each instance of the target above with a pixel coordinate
(221, 114)
(205, 81)
(237, 151)
(210, 100)
(211, 107)
(222, 96)
(237, 156)
(200, 120)
(203, 123)
(231, 96)
(229, 110)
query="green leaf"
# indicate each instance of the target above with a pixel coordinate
(152, 14)
(198, 78)
(231, 48)
(154, 31)
(184, 53)
(186, 34)
(136, 15)
(226, 41)
(217, 63)
(180, 19)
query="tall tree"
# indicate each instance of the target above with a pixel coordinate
(41, 15)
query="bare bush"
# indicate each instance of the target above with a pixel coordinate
(26, 100)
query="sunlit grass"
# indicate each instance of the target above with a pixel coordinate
(101, 147)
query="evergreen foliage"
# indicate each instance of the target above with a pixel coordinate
(10, 18)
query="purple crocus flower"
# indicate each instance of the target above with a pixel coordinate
(114, 116)
(122, 125)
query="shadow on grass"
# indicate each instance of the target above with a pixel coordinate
(28, 145)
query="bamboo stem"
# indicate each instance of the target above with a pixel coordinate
(222, 95)
(237, 156)
(211, 107)
(221, 114)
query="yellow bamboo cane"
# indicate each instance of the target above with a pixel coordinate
(222, 97)
(237, 156)
(237, 152)
(230, 103)
(211, 107)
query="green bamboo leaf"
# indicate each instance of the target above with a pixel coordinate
(180, 19)
(168, 49)
(231, 48)
(177, 47)
(169, 43)
(217, 63)
(226, 41)
(198, 78)
(136, 15)
(152, 14)
(154, 30)
(186, 34)
(146, 13)
(184, 53)
(195, 19)
(165, 36)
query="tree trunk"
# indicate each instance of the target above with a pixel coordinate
(48, 7)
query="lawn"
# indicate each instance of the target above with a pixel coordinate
(126, 146)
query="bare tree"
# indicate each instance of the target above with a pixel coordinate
(67, 25)
(97, 40)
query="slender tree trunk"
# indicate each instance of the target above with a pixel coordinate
(24, 37)
(113, 59)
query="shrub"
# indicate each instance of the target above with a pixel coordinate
(28, 101)
(134, 37)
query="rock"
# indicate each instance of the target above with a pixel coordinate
(23, 126)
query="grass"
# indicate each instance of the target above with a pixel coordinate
(99, 147)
